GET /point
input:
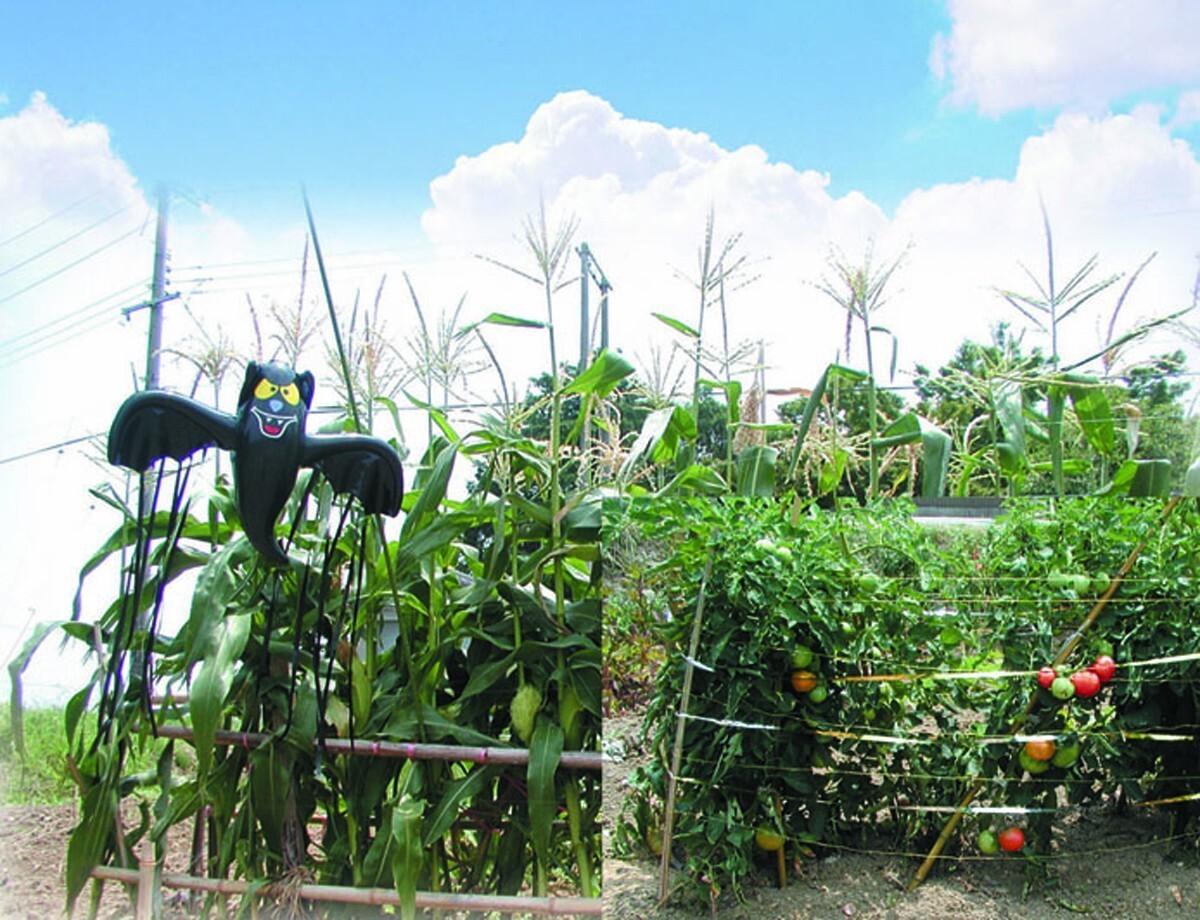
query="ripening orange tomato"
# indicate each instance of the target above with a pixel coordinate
(1040, 748)
(803, 681)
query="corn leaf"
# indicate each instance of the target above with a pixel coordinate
(545, 750)
(211, 686)
(407, 855)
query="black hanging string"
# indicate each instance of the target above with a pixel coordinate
(322, 595)
(175, 521)
(297, 632)
(353, 596)
(112, 685)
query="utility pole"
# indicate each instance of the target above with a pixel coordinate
(138, 660)
(585, 336)
(589, 271)
(157, 291)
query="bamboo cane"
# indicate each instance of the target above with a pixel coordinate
(145, 881)
(1063, 654)
(549, 906)
(574, 760)
(664, 881)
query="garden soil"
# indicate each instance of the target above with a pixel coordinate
(33, 849)
(1107, 867)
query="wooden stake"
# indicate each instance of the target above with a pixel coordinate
(145, 881)
(426, 900)
(664, 880)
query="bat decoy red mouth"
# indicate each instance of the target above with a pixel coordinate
(273, 426)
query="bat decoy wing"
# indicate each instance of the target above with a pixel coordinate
(365, 467)
(152, 424)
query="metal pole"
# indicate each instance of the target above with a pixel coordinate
(585, 255)
(157, 291)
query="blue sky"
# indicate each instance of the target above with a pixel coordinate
(427, 132)
(368, 103)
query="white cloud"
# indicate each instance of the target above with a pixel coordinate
(641, 192)
(1003, 55)
(76, 246)
(1120, 186)
(1187, 109)
(65, 352)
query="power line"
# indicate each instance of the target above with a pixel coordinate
(70, 265)
(61, 337)
(51, 447)
(64, 241)
(13, 343)
(45, 220)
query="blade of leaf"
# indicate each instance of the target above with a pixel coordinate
(408, 854)
(545, 750)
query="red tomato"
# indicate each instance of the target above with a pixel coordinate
(1104, 668)
(1087, 683)
(1046, 677)
(1012, 839)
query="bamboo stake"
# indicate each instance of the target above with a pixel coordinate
(664, 881)
(574, 760)
(550, 906)
(780, 863)
(1063, 654)
(145, 882)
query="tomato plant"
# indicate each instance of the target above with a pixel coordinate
(934, 601)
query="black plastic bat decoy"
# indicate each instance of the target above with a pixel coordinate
(269, 447)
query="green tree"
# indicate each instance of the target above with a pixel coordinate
(1156, 392)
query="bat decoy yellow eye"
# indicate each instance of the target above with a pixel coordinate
(289, 392)
(265, 389)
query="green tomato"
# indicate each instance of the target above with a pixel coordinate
(869, 582)
(1033, 767)
(802, 657)
(1066, 754)
(1081, 583)
(1057, 579)
(818, 694)
(783, 553)
(1100, 583)
(988, 843)
(1062, 688)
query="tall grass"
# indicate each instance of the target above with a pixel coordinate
(44, 777)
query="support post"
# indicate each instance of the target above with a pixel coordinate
(664, 880)
(158, 286)
(585, 338)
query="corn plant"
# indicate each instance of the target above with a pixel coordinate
(426, 636)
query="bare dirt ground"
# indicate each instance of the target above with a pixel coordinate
(33, 849)
(1107, 867)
